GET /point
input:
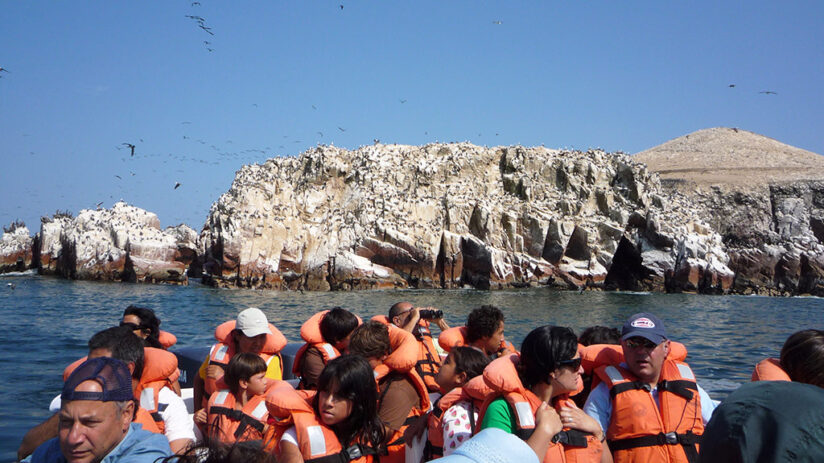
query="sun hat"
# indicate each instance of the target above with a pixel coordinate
(492, 445)
(252, 322)
(645, 325)
(112, 374)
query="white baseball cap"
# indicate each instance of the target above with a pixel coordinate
(252, 322)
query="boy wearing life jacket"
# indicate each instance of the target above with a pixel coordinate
(327, 337)
(417, 320)
(403, 396)
(650, 406)
(484, 331)
(239, 413)
(250, 333)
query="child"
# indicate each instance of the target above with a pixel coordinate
(338, 422)
(454, 416)
(239, 413)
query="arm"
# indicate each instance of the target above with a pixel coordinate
(413, 320)
(288, 451)
(199, 386)
(37, 435)
(179, 428)
(456, 427)
(598, 406)
(575, 418)
(499, 415)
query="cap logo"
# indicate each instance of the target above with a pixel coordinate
(642, 322)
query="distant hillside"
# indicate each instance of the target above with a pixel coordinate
(731, 156)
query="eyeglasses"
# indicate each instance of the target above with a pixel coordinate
(134, 327)
(574, 364)
(635, 343)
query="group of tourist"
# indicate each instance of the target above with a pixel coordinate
(381, 390)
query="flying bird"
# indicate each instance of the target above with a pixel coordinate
(2, 69)
(402, 101)
(314, 107)
(210, 49)
(320, 133)
(98, 204)
(341, 7)
(131, 147)
(497, 22)
(196, 18)
(732, 85)
(177, 184)
(118, 177)
(207, 29)
(195, 3)
(768, 92)
(341, 129)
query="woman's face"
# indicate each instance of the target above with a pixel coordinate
(333, 408)
(568, 377)
(251, 345)
(446, 377)
(135, 320)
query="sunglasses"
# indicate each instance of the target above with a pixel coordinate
(574, 364)
(636, 343)
(133, 326)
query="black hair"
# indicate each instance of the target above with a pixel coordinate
(599, 335)
(123, 344)
(241, 367)
(398, 308)
(148, 322)
(482, 322)
(469, 360)
(542, 351)
(370, 340)
(351, 377)
(214, 451)
(802, 357)
(337, 324)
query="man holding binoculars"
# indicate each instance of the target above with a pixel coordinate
(416, 320)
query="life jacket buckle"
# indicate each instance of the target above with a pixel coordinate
(671, 438)
(354, 452)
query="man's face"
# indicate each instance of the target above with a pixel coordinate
(493, 343)
(404, 314)
(644, 358)
(251, 345)
(90, 429)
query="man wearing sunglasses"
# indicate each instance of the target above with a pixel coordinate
(650, 405)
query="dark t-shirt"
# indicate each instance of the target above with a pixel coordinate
(310, 369)
(398, 398)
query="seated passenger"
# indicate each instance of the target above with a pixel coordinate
(327, 336)
(547, 370)
(250, 333)
(417, 320)
(146, 326)
(592, 336)
(802, 360)
(392, 353)
(238, 413)
(339, 422)
(454, 415)
(484, 331)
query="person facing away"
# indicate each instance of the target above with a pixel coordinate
(339, 422)
(162, 411)
(548, 370)
(239, 412)
(95, 420)
(406, 316)
(592, 336)
(327, 337)
(252, 333)
(650, 406)
(454, 416)
(403, 394)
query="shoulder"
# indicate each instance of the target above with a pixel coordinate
(140, 446)
(47, 452)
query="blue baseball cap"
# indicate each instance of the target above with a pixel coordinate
(645, 325)
(112, 374)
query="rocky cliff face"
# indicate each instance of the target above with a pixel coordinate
(764, 197)
(16, 248)
(123, 243)
(453, 215)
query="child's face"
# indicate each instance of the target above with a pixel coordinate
(257, 384)
(333, 408)
(446, 377)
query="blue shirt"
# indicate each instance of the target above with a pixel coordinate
(599, 405)
(138, 446)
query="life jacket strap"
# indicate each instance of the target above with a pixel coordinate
(687, 440)
(353, 452)
(680, 387)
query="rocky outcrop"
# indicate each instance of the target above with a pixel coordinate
(765, 198)
(454, 215)
(188, 249)
(16, 248)
(123, 243)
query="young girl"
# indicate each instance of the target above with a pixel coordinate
(454, 416)
(340, 420)
(239, 413)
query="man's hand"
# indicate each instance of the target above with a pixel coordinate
(412, 318)
(200, 416)
(214, 372)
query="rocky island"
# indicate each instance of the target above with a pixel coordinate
(459, 215)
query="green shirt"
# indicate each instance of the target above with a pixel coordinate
(499, 415)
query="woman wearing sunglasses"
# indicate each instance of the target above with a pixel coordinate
(547, 370)
(145, 324)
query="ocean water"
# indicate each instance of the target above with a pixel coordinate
(48, 321)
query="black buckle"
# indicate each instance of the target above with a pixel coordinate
(671, 438)
(354, 452)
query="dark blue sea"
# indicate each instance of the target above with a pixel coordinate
(47, 322)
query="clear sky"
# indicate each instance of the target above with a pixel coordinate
(275, 78)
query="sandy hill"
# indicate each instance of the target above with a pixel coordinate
(731, 156)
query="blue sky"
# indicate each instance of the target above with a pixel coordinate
(86, 77)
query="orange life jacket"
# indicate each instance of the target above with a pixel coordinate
(229, 425)
(400, 363)
(640, 430)
(166, 339)
(601, 355)
(310, 332)
(316, 441)
(222, 352)
(474, 392)
(159, 366)
(769, 369)
(429, 359)
(456, 336)
(501, 376)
